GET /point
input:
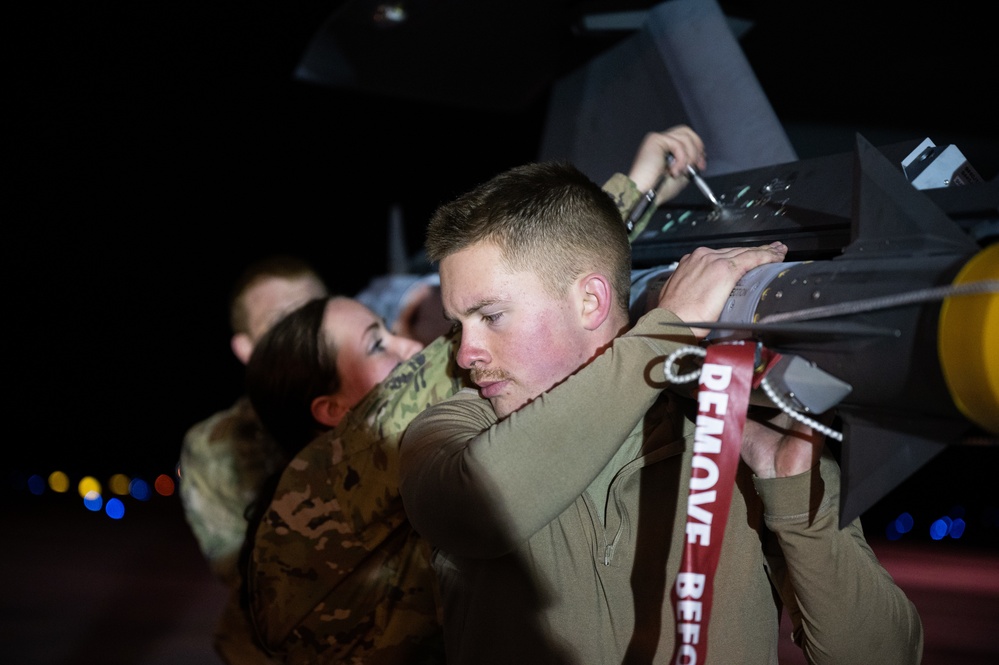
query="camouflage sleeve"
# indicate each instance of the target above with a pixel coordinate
(626, 195)
(337, 570)
(645, 283)
(224, 459)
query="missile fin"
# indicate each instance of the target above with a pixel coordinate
(877, 455)
(890, 217)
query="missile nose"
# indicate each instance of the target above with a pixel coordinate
(968, 343)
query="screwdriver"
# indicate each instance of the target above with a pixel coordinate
(695, 175)
(643, 203)
(703, 186)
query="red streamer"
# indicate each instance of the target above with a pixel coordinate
(722, 403)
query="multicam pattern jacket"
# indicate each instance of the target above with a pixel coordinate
(337, 573)
(224, 461)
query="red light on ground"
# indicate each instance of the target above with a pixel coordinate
(164, 485)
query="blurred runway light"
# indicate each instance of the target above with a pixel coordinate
(115, 509)
(947, 526)
(93, 501)
(940, 528)
(139, 489)
(59, 481)
(118, 484)
(36, 485)
(87, 485)
(899, 526)
(164, 485)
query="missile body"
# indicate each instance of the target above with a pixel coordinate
(907, 318)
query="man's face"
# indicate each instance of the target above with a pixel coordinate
(274, 297)
(516, 339)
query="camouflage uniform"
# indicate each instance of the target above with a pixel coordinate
(224, 460)
(337, 574)
(626, 195)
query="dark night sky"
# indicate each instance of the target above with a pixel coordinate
(158, 150)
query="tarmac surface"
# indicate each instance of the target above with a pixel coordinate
(85, 589)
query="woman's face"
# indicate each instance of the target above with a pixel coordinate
(366, 352)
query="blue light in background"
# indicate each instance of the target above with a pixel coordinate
(904, 523)
(36, 485)
(952, 525)
(939, 528)
(93, 501)
(139, 489)
(899, 526)
(115, 509)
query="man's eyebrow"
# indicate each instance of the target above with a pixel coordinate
(471, 309)
(476, 306)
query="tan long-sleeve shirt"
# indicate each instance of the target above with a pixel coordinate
(535, 565)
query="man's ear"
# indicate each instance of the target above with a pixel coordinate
(328, 410)
(242, 346)
(596, 294)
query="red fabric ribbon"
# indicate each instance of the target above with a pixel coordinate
(722, 403)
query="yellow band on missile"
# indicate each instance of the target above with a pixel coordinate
(968, 342)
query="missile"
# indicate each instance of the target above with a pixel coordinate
(895, 341)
